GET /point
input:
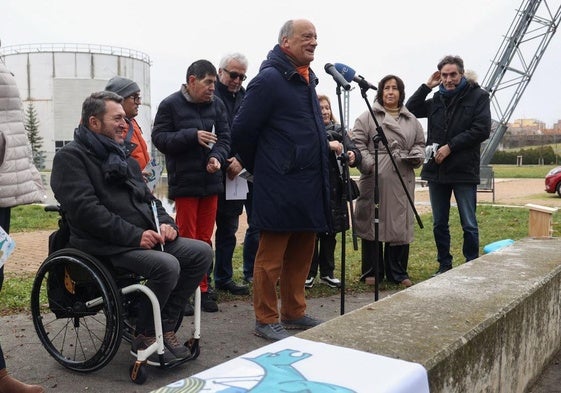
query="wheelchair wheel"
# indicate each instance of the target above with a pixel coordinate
(76, 310)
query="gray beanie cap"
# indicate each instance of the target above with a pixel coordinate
(122, 86)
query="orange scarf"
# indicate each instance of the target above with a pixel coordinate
(302, 70)
(305, 72)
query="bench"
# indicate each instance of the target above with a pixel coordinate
(487, 182)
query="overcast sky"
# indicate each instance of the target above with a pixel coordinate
(376, 38)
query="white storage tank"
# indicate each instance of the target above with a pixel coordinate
(57, 78)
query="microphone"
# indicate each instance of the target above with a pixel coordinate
(350, 75)
(341, 81)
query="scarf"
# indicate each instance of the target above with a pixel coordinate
(393, 112)
(114, 162)
(450, 93)
(303, 70)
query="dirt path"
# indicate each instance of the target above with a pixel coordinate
(31, 247)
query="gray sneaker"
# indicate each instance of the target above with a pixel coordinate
(172, 343)
(143, 342)
(271, 331)
(302, 323)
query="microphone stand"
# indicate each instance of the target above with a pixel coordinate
(345, 175)
(381, 137)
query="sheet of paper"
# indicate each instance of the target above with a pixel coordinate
(236, 189)
(154, 172)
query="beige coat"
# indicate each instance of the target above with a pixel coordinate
(20, 182)
(407, 142)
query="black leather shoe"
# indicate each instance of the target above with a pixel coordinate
(208, 304)
(442, 270)
(188, 310)
(212, 293)
(233, 288)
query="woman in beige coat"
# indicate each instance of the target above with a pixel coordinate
(396, 218)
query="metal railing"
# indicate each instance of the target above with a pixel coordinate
(74, 47)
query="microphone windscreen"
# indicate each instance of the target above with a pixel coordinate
(347, 72)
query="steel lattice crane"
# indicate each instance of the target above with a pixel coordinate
(515, 62)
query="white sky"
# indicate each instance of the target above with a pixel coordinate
(376, 38)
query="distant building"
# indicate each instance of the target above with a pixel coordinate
(526, 127)
(57, 78)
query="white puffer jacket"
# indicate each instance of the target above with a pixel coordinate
(20, 181)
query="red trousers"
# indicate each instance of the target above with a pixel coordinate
(195, 218)
(282, 257)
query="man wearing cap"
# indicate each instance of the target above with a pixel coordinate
(135, 144)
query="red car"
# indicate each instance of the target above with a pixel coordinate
(553, 181)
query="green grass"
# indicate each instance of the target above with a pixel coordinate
(521, 172)
(496, 223)
(502, 171)
(16, 294)
(30, 218)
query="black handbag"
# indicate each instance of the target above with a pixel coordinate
(355, 192)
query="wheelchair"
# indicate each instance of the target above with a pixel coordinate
(83, 307)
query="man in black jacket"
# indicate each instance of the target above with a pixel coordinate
(459, 120)
(109, 211)
(191, 128)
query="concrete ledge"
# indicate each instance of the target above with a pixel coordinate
(490, 325)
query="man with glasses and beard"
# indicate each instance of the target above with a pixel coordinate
(108, 208)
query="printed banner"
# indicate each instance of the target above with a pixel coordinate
(297, 365)
(7, 246)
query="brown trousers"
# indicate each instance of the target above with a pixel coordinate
(284, 258)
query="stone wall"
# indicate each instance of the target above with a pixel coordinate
(490, 325)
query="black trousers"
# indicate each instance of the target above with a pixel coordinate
(173, 275)
(392, 260)
(324, 255)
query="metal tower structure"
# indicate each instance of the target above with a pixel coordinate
(512, 68)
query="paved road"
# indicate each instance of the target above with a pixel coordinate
(225, 335)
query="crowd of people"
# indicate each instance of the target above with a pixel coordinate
(285, 136)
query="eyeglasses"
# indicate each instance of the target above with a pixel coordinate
(235, 75)
(136, 98)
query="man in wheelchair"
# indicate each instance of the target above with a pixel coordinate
(110, 213)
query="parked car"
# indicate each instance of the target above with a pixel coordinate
(553, 180)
